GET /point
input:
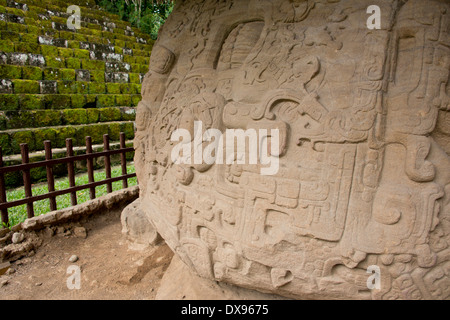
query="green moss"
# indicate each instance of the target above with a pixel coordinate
(3, 25)
(31, 102)
(9, 102)
(66, 35)
(10, 72)
(75, 116)
(118, 50)
(57, 101)
(93, 115)
(114, 131)
(82, 87)
(68, 74)
(93, 65)
(105, 100)
(33, 29)
(52, 73)
(65, 52)
(97, 76)
(28, 47)
(9, 35)
(3, 121)
(64, 133)
(81, 54)
(28, 37)
(129, 59)
(6, 46)
(73, 44)
(79, 37)
(113, 88)
(26, 86)
(22, 137)
(32, 73)
(15, 11)
(128, 129)
(91, 100)
(126, 88)
(47, 117)
(96, 87)
(20, 119)
(78, 100)
(120, 43)
(55, 62)
(142, 53)
(123, 100)
(17, 27)
(143, 60)
(128, 114)
(67, 87)
(135, 78)
(49, 51)
(73, 63)
(43, 134)
(5, 143)
(96, 132)
(110, 114)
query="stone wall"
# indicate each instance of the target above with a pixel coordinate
(57, 83)
(362, 117)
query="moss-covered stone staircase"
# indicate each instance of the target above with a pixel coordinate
(58, 83)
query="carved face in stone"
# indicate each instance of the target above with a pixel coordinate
(363, 121)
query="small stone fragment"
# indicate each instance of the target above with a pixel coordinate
(73, 258)
(17, 237)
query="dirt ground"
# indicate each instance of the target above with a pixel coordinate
(109, 268)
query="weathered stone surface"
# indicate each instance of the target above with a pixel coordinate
(362, 114)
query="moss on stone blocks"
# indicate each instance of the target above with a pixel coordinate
(97, 88)
(113, 88)
(51, 73)
(93, 115)
(9, 101)
(135, 78)
(97, 76)
(47, 118)
(19, 137)
(73, 44)
(31, 102)
(135, 99)
(93, 65)
(6, 46)
(65, 52)
(78, 100)
(75, 116)
(63, 134)
(10, 72)
(96, 132)
(68, 74)
(81, 53)
(73, 63)
(110, 114)
(28, 47)
(114, 131)
(67, 87)
(49, 51)
(32, 73)
(17, 27)
(128, 129)
(9, 35)
(28, 37)
(57, 101)
(123, 100)
(105, 100)
(128, 113)
(5, 143)
(82, 87)
(55, 63)
(43, 134)
(17, 120)
(26, 86)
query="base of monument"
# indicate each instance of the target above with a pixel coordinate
(179, 283)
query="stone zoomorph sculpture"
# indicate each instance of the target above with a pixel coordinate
(364, 126)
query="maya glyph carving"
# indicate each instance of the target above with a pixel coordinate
(364, 125)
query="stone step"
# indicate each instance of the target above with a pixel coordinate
(10, 120)
(25, 101)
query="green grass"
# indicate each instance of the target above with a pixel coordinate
(19, 214)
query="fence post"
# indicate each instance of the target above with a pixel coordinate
(123, 160)
(4, 212)
(27, 178)
(90, 167)
(71, 171)
(50, 178)
(107, 162)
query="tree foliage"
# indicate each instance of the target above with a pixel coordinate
(147, 15)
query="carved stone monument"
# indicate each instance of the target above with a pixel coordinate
(358, 205)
